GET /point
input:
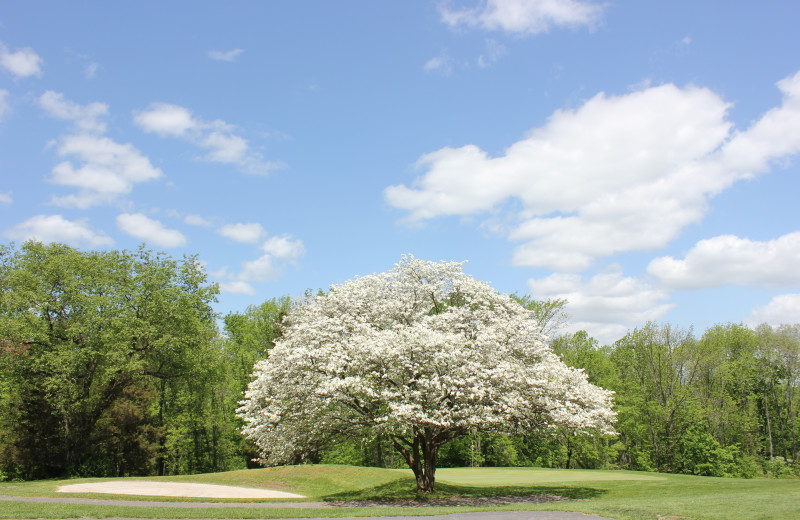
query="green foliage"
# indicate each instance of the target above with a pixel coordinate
(250, 335)
(462, 452)
(550, 313)
(779, 468)
(500, 451)
(701, 454)
(104, 354)
(343, 452)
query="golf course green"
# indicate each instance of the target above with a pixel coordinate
(614, 494)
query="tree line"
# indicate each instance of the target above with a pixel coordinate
(115, 364)
(110, 364)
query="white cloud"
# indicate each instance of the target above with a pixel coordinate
(494, 50)
(236, 287)
(225, 56)
(109, 170)
(197, 220)
(279, 251)
(149, 230)
(87, 118)
(262, 269)
(620, 173)
(225, 147)
(22, 63)
(249, 233)
(55, 228)
(606, 305)
(217, 137)
(4, 107)
(106, 169)
(5, 198)
(732, 260)
(773, 137)
(284, 247)
(439, 64)
(525, 16)
(91, 70)
(166, 120)
(783, 309)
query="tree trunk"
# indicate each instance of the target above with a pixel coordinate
(420, 455)
(161, 460)
(781, 420)
(425, 481)
(794, 432)
(769, 424)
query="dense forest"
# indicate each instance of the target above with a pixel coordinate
(114, 363)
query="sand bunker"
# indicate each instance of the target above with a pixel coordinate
(172, 489)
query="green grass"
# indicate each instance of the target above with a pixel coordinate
(616, 494)
(527, 476)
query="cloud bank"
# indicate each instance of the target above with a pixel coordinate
(226, 55)
(277, 252)
(101, 169)
(216, 138)
(618, 174)
(55, 228)
(150, 230)
(524, 16)
(728, 259)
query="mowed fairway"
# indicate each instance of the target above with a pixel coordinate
(614, 494)
(640, 495)
(529, 477)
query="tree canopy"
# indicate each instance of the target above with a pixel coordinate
(104, 358)
(420, 354)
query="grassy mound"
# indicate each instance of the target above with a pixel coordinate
(313, 481)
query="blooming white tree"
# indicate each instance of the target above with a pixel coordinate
(420, 354)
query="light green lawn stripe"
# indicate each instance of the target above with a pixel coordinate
(515, 476)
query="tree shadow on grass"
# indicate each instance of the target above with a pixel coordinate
(406, 489)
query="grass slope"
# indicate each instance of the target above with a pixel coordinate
(617, 494)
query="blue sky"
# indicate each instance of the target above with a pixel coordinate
(638, 158)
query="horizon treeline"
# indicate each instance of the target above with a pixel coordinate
(112, 363)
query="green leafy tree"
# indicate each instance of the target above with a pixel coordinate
(550, 313)
(94, 344)
(779, 354)
(657, 367)
(727, 387)
(250, 335)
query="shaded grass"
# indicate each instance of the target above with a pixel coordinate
(405, 489)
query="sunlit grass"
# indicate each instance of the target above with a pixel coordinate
(528, 476)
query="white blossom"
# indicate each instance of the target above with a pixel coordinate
(423, 349)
